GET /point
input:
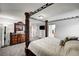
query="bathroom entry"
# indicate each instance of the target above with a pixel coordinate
(51, 30)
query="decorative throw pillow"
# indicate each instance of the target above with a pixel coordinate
(62, 43)
(71, 38)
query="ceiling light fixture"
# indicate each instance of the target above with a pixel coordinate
(41, 17)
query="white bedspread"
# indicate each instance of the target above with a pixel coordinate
(71, 48)
(45, 47)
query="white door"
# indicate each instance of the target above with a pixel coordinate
(51, 30)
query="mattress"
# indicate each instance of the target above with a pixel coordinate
(45, 47)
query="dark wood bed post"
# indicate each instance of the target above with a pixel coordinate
(46, 28)
(27, 34)
(27, 16)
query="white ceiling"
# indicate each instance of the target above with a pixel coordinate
(57, 9)
(13, 12)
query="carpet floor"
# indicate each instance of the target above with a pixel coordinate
(14, 50)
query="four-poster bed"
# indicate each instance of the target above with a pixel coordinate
(27, 23)
(27, 15)
(48, 46)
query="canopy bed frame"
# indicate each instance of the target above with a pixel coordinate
(27, 39)
(27, 16)
(27, 23)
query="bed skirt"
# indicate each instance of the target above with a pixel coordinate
(28, 52)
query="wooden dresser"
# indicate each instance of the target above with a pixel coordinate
(16, 38)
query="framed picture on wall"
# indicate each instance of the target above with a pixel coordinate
(18, 26)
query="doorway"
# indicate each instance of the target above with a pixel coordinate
(51, 30)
